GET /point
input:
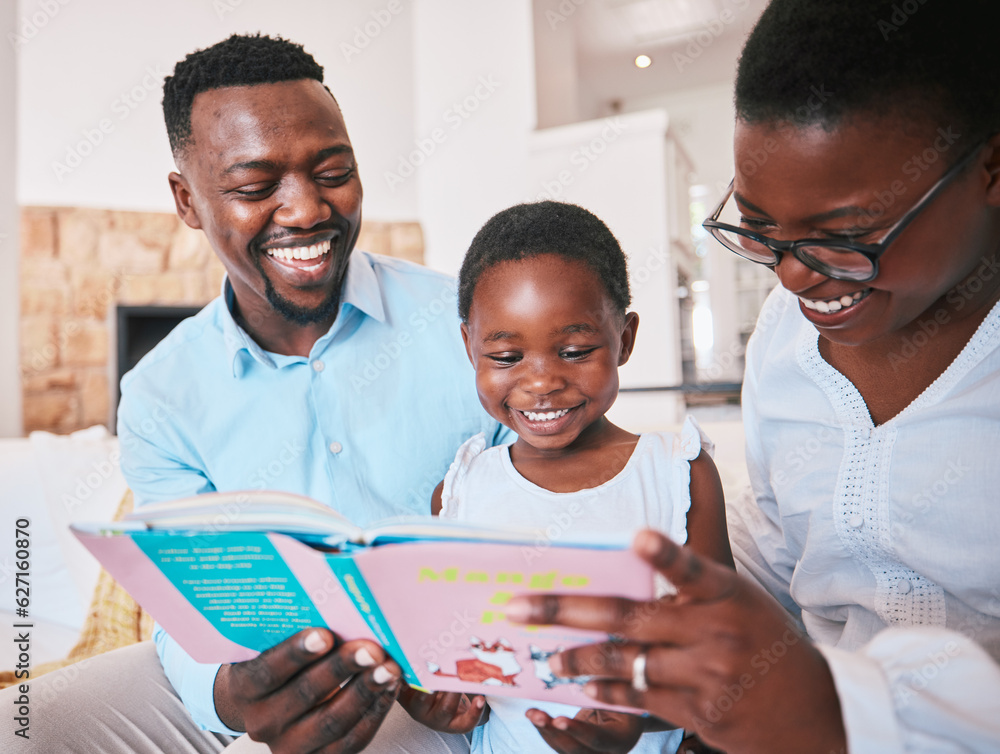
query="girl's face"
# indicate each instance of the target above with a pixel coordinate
(856, 182)
(546, 343)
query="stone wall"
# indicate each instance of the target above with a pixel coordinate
(78, 264)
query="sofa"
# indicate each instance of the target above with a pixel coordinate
(53, 481)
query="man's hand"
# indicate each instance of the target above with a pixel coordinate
(722, 658)
(308, 692)
(444, 711)
(591, 730)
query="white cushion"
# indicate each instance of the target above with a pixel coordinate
(55, 480)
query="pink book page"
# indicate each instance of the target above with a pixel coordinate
(444, 602)
(310, 568)
(130, 567)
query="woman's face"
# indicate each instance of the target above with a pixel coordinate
(855, 182)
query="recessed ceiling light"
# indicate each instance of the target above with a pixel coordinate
(643, 61)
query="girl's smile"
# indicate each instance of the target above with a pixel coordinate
(545, 422)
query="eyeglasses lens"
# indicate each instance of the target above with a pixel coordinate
(840, 263)
(742, 245)
(836, 262)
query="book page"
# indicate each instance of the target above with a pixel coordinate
(248, 510)
(238, 581)
(445, 603)
(226, 597)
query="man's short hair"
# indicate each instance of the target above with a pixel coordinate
(821, 62)
(241, 60)
(529, 230)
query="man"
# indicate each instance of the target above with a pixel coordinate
(321, 370)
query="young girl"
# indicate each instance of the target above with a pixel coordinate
(543, 297)
(868, 179)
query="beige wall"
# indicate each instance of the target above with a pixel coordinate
(77, 264)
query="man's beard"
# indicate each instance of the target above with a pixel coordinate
(299, 315)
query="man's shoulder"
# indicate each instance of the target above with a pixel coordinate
(183, 348)
(424, 299)
(396, 268)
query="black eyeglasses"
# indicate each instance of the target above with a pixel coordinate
(841, 260)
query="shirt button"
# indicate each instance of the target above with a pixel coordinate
(856, 521)
(336, 447)
(318, 366)
(904, 586)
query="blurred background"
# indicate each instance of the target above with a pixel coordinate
(456, 108)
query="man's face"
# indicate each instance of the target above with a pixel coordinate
(270, 176)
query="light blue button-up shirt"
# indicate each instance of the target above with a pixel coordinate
(368, 423)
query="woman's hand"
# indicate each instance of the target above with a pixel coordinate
(591, 730)
(444, 711)
(721, 657)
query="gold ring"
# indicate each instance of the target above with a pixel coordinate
(639, 682)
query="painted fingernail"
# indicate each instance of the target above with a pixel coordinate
(517, 610)
(556, 664)
(646, 543)
(382, 675)
(364, 658)
(314, 642)
(561, 723)
(590, 690)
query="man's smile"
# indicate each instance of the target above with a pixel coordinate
(300, 257)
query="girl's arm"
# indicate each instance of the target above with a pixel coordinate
(706, 520)
(436, 499)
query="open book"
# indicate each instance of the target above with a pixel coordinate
(229, 575)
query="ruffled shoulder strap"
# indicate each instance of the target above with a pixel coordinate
(454, 480)
(691, 440)
(687, 445)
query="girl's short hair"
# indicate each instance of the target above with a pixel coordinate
(528, 230)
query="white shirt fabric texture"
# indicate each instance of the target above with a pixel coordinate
(883, 541)
(651, 491)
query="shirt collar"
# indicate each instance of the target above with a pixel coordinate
(360, 291)
(361, 288)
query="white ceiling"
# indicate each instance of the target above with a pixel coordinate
(624, 26)
(693, 44)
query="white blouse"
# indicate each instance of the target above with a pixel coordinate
(883, 541)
